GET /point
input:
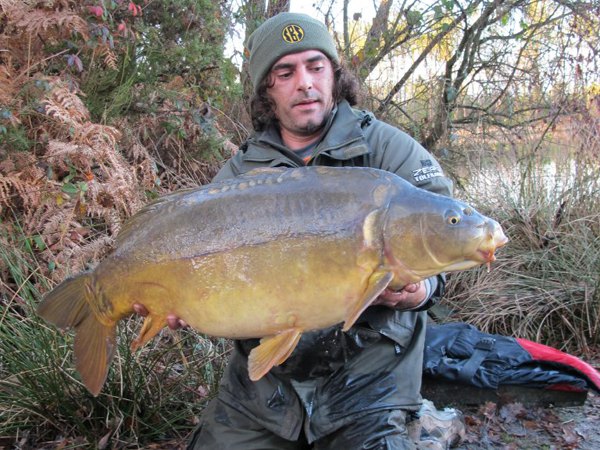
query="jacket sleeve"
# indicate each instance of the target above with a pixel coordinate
(397, 152)
(435, 289)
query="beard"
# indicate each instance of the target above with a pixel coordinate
(312, 127)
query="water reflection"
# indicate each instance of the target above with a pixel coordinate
(548, 181)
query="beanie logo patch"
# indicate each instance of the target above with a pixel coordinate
(292, 34)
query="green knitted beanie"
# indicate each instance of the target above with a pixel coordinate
(283, 34)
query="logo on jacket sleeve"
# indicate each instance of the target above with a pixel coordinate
(292, 34)
(428, 170)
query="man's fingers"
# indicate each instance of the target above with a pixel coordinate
(175, 322)
(172, 322)
(390, 295)
(140, 309)
(390, 298)
(406, 298)
(412, 287)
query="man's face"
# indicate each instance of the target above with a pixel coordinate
(302, 89)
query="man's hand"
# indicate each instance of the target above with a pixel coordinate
(173, 321)
(409, 297)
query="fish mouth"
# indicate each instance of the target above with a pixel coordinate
(488, 256)
(494, 239)
(484, 254)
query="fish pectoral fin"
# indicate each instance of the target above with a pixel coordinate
(377, 283)
(272, 351)
(150, 328)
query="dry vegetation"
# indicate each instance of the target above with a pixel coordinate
(71, 189)
(68, 180)
(545, 285)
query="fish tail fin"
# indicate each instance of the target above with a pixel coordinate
(94, 349)
(66, 307)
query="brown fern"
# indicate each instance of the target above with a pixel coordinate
(65, 106)
(39, 22)
(145, 166)
(81, 179)
(9, 88)
(60, 153)
(110, 58)
(76, 257)
(21, 184)
(97, 135)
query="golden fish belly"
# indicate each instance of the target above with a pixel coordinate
(304, 282)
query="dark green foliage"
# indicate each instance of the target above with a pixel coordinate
(181, 39)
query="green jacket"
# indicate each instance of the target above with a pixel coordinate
(352, 138)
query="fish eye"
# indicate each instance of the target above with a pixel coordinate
(453, 218)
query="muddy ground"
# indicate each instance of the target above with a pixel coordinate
(514, 426)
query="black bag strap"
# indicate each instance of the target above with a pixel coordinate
(480, 352)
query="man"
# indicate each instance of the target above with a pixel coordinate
(337, 390)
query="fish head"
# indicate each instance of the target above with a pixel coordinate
(430, 234)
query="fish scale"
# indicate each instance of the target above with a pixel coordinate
(291, 205)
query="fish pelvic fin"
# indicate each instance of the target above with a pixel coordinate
(272, 351)
(66, 306)
(378, 281)
(150, 328)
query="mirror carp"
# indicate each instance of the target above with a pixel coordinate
(270, 254)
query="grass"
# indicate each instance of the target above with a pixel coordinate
(153, 396)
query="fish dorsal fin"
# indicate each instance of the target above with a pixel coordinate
(378, 281)
(272, 351)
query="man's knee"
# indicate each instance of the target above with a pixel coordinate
(224, 428)
(381, 430)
